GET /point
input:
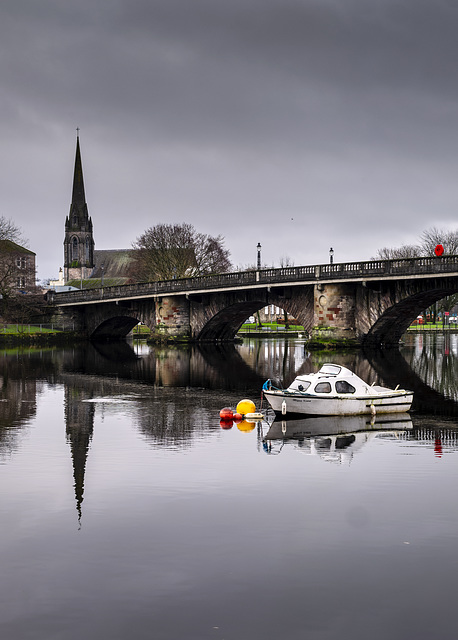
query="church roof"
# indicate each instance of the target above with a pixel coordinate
(116, 263)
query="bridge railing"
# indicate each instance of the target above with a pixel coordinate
(310, 273)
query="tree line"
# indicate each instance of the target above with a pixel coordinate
(425, 246)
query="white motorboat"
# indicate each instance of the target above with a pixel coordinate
(335, 391)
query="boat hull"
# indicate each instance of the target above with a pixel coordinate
(287, 403)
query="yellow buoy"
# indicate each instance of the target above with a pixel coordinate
(246, 426)
(246, 406)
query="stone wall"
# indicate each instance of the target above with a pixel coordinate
(172, 317)
(334, 311)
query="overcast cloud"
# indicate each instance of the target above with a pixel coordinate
(299, 124)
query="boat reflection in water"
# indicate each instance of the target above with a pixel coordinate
(333, 438)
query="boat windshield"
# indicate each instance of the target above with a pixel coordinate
(330, 369)
(301, 385)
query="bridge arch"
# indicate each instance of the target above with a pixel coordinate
(112, 320)
(115, 327)
(395, 315)
(219, 317)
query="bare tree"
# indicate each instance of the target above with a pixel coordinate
(429, 239)
(22, 309)
(211, 255)
(285, 261)
(10, 231)
(393, 253)
(169, 251)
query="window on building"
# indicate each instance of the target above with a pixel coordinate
(75, 249)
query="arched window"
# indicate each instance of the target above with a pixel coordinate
(75, 249)
(87, 248)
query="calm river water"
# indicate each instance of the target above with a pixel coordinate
(128, 512)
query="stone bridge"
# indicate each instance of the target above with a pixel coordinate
(371, 302)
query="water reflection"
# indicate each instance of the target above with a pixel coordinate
(333, 438)
(18, 397)
(79, 428)
(173, 395)
(125, 501)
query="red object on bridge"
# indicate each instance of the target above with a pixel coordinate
(439, 250)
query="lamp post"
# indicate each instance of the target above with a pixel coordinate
(102, 267)
(259, 255)
(331, 255)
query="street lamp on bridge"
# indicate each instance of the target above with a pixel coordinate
(259, 255)
(331, 255)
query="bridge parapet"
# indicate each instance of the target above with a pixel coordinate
(349, 271)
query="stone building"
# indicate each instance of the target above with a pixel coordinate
(17, 268)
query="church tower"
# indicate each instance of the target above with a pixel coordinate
(79, 239)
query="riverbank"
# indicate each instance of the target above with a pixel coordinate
(17, 335)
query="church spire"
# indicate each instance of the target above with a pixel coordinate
(78, 219)
(79, 240)
(78, 197)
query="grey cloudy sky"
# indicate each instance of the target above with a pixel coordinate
(299, 124)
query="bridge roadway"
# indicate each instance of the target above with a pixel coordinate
(390, 292)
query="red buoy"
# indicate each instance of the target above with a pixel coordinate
(226, 414)
(226, 424)
(237, 417)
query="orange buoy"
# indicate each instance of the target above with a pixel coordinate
(237, 417)
(226, 414)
